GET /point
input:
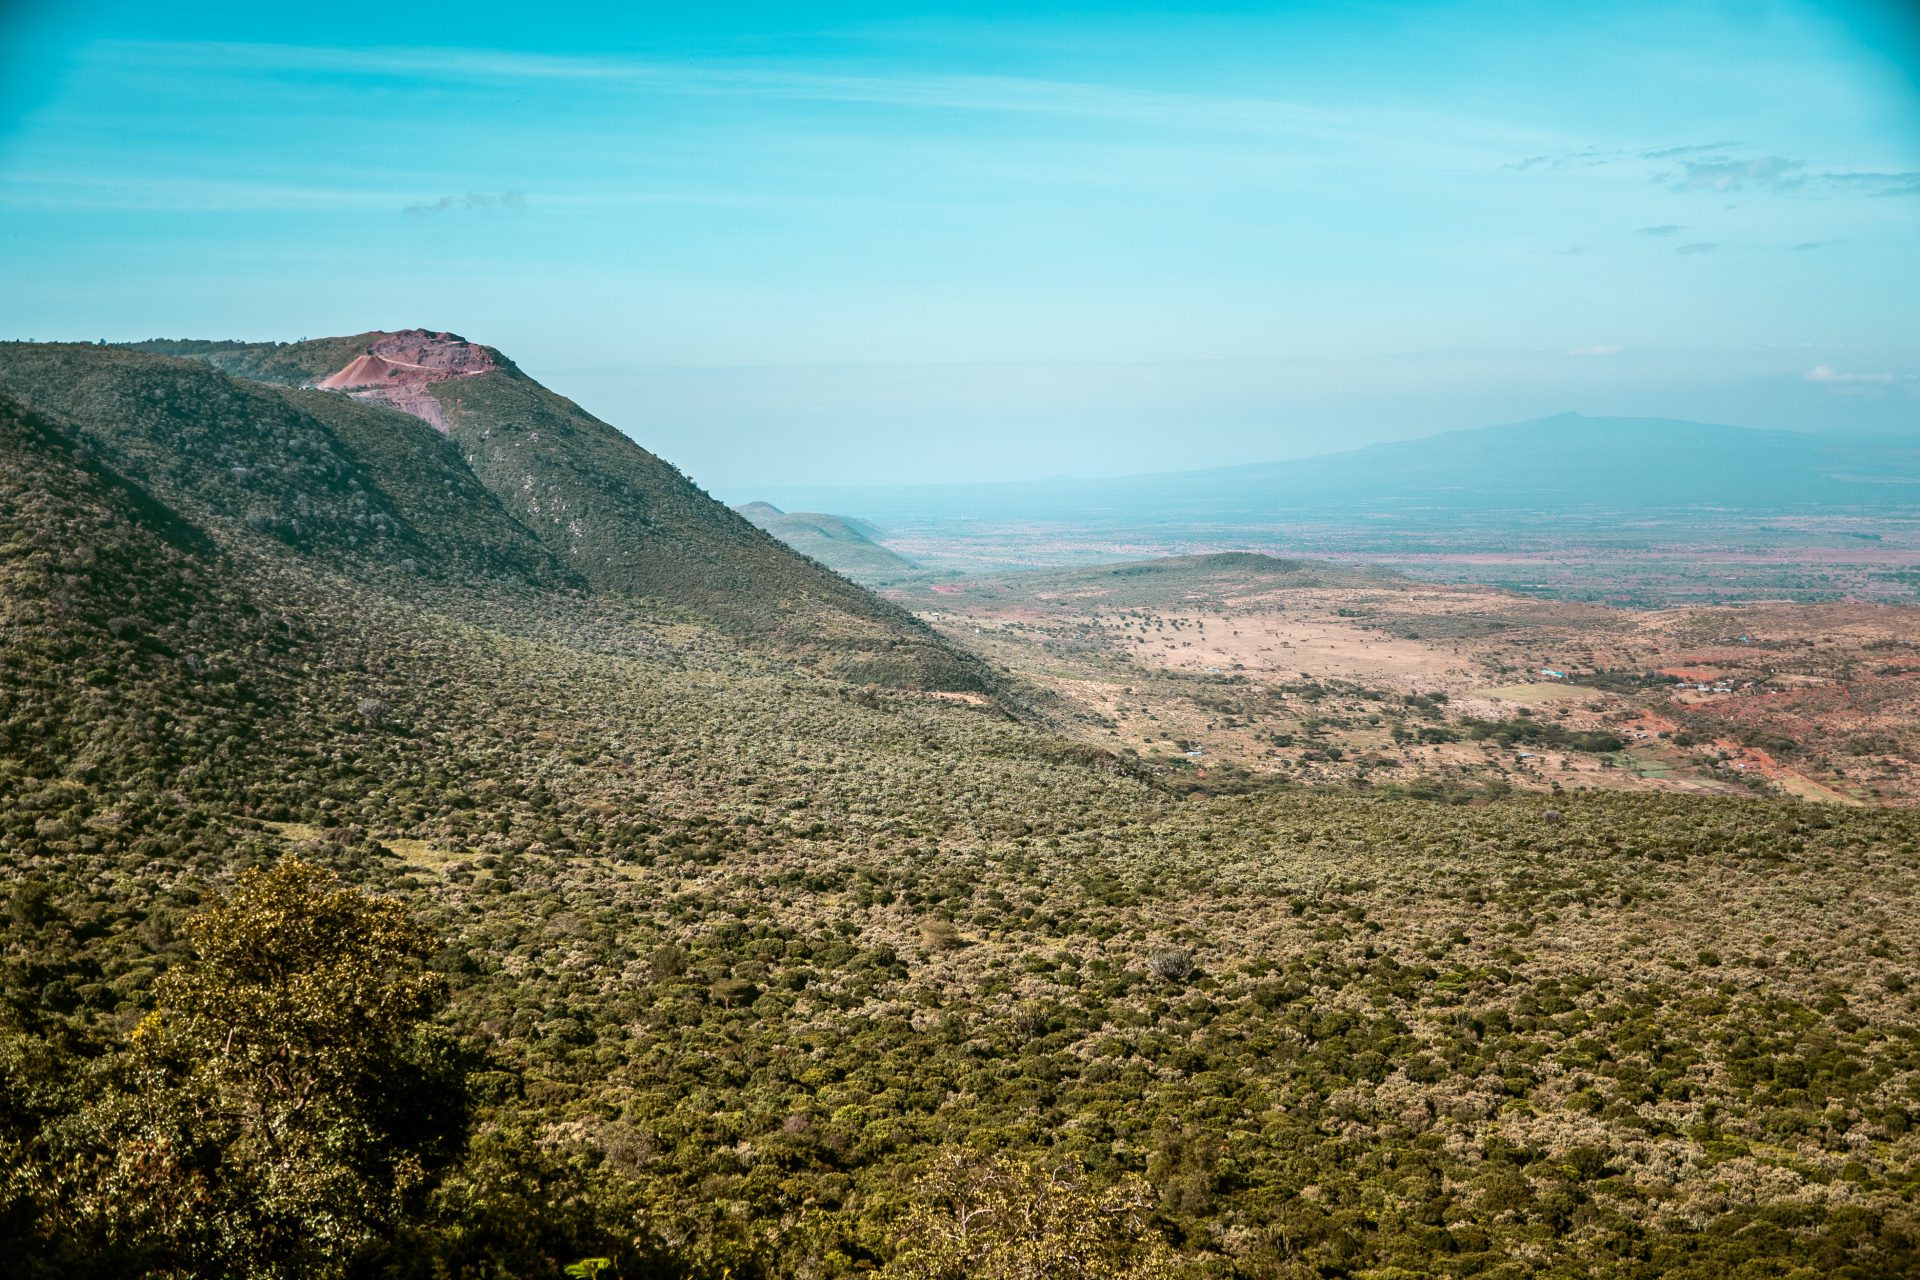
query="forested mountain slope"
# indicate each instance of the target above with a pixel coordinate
(730, 965)
(521, 487)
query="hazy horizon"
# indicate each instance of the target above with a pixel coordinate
(985, 243)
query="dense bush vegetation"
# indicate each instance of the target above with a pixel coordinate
(1542, 733)
(610, 936)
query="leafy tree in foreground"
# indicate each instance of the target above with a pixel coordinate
(292, 1102)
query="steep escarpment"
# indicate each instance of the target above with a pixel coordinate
(630, 523)
(416, 423)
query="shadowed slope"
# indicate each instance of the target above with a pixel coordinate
(582, 495)
(117, 615)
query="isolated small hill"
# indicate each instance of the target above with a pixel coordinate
(1157, 583)
(463, 470)
(759, 512)
(843, 544)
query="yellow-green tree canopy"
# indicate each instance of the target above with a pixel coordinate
(995, 1218)
(294, 1086)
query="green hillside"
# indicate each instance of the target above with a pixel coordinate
(631, 523)
(844, 545)
(527, 486)
(351, 485)
(101, 587)
(655, 940)
(289, 363)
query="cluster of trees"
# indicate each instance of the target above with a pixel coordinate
(288, 1107)
(1541, 733)
(291, 1106)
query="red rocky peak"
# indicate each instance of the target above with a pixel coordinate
(397, 368)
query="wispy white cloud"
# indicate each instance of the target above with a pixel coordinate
(1827, 373)
(1720, 175)
(1877, 184)
(511, 201)
(1772, 173)
(1584, 158)
(46, 191)
(1691, 148)
(1710, 167)
(154, 193)
(1404, 130)
(1864, 386)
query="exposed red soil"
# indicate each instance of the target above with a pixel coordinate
(1649, 722)
(397, 368)
(1754, 760)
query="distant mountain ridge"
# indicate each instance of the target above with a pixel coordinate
(1563, 462)
(1573, 459)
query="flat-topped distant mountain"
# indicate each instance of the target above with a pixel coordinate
(1567, 462)
(415, 456)
(1570, 460)
(843, 544)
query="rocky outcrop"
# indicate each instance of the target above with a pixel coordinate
(397, 368)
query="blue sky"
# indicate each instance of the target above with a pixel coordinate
(805, 244)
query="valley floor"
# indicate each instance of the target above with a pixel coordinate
(1643, 557)
(1423, 684)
